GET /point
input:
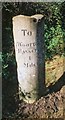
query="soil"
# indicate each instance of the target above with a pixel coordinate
(49, 106)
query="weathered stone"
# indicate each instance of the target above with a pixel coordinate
(29, 50)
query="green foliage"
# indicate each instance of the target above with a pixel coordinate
(54, 35)
(54, 41)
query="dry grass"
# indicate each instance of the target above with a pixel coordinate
(54, 69)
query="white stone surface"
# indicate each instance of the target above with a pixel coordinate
(26, 50)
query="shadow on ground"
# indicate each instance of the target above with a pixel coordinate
(58, 85)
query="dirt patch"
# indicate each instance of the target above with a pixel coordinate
(50, 106)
